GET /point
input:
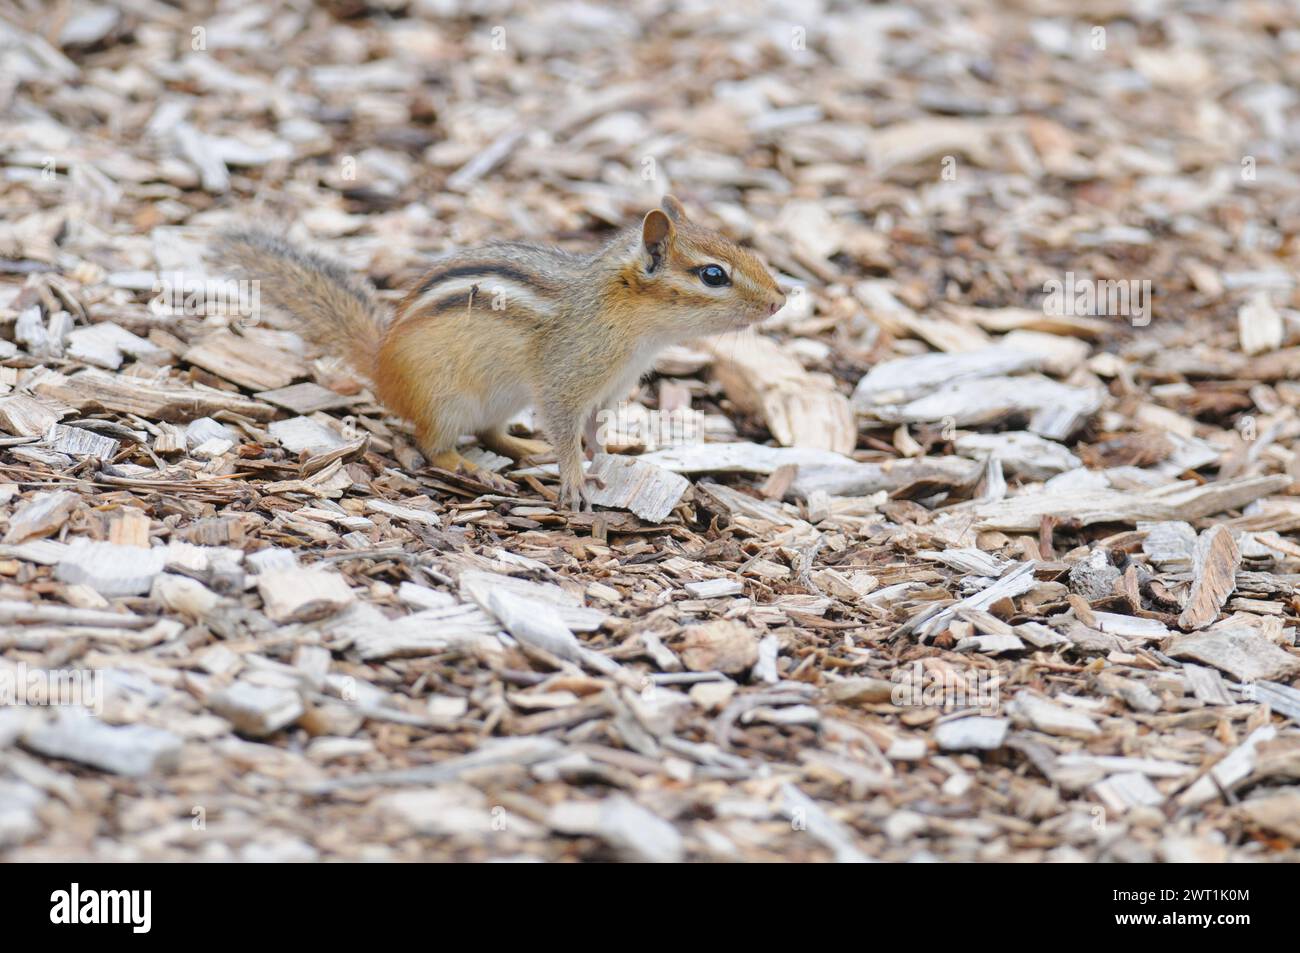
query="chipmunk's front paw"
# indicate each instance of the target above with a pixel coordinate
(576, 496)
(571, 498)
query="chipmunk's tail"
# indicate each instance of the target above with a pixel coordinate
(333, 309)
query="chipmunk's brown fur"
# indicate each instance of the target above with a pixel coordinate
(488, 331)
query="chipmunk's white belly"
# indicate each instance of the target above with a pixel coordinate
(492, 408)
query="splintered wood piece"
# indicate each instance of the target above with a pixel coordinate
(128, 750)
(1169, 545)
(1278, 813)
(1179, 501)
(1283, 699)
(715, 588)
(1233, 768)
(1206, 684)
(534, 623)
(799, 807)
(26, 613)
(40, 516)
(459, 628)
(257, 710)
(976, 733)
(80, 442)
(129, 528)
(260, 368)
(306, 398)
(105, 345)
(409, 514)
(478, 586)
(303, 594)
(1214, 567)
(93, 391)
(1121, 792)
(1244, 653)
(767, 381)
(26, 416)
(1020, 452)
(723, 646)
(111, 569)
(630, 483)
(1015, 582)
(626, 826)
(1043, 715)
(908, 378)
(303, 433)
(1055, 410)
(1259, 325)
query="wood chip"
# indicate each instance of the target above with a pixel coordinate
(1243, 653)
(1215, 559)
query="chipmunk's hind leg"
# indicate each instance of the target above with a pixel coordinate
(437, 442)
(438, 445)
(516, 448)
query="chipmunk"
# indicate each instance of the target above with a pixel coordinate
(488, 331)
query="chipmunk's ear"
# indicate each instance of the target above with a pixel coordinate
(676, 211)
(657, 233)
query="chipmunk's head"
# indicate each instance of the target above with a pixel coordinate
(700, 280)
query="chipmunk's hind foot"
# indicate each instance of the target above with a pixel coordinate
(453, 461)
(516, 448)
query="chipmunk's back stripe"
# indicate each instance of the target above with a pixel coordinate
(508, 272)
(491, 292)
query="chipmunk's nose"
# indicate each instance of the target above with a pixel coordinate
(777, 303)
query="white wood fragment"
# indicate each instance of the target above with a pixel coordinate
(1183, 500)
(1206, 684)
(1015, 582)
(41, 515)
(256, 710)
(990, 644)
(976, 733)
(715, 588)
(1021, 452)
(1120, 792)
(409, 514)
(303, 594)
(302, 433)
(1169, 545)
(623, 824)
(1039, 713)
(80, 442)
(184, 595)
(907, 378)
(765, 669)
(129, 750)
(26, 416)
(464, 629)
(1259, 325)
(808, 815)
(1244, 653)
(478, 586)
(109, 568)
(647, 490)
(534, 623)
(1231, 769)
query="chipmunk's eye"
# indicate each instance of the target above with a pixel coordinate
(713, 276)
